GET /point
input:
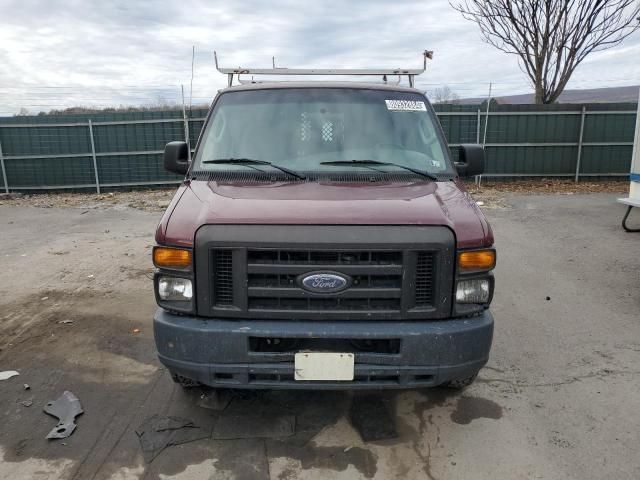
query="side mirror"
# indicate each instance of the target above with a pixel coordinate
(176, 157)
(471, 160)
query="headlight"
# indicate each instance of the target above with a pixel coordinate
(175, 289)
(473, 291)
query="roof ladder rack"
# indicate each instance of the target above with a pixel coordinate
(409, 73)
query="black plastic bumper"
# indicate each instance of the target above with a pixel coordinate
(217, 352)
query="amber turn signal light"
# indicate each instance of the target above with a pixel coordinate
(477, 260)
(171, 257)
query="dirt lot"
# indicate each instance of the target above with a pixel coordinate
(156, 200)
(558, 399)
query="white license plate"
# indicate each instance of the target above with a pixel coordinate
(324, 366)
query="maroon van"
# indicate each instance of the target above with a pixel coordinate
(322, 238)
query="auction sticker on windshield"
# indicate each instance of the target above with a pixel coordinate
(406, 106)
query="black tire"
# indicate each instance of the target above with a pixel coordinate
(184, 382)
(461, 383)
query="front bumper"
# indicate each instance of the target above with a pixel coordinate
(217, 352)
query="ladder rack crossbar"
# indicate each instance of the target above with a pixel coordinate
(317, 71)
(409, 72)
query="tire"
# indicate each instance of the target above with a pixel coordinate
(184, 382)
(460, 383)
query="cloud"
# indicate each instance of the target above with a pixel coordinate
(58, 53)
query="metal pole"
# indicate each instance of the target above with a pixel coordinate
(580, 139)
(193, 60)
(4, 172)
(486, 124)
(186, 126)
(478, 121)
(486, 120)
(93, 156)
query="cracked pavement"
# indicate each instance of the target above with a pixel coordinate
(558, 399)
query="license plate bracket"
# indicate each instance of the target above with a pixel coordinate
(324, 366)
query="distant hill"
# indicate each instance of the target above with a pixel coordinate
(589, 95)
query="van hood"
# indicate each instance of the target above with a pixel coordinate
(447, 203)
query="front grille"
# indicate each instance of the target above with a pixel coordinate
(395, 272)
(424, 279)
(272, 280)
(223, 278)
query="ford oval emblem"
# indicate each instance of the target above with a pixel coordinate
(324, 282)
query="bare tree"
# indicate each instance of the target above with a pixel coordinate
(444, 94)
(552, 37)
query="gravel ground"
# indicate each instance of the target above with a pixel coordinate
(152, 200)
(492, 195)
(558, 399)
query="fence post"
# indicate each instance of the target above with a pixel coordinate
(93, 155)
(4, 172)
(580, 140)
(486, 125)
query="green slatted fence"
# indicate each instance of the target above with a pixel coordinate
(125, 149)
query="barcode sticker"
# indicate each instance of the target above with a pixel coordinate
(406, 106)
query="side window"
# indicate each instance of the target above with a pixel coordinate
(216, 136)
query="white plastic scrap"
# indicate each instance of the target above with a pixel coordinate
(8, 374)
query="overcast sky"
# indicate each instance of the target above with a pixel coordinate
(55, 53)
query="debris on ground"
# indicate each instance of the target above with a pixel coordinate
(10, 196)
(158, 432)
(65, 322)
(157, 200)
(136, 330)
(549, 185)
(150, 200)
(8, 374)
(370, 417)
(215, 399)
(491, 194)
(253, 425)
(26, 386)
(27, 403)
(67, 407)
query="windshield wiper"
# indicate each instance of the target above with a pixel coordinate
(251, 161)
(376, 162)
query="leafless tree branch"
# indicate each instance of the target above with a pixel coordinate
(552, 37)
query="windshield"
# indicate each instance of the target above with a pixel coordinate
(303, 129)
